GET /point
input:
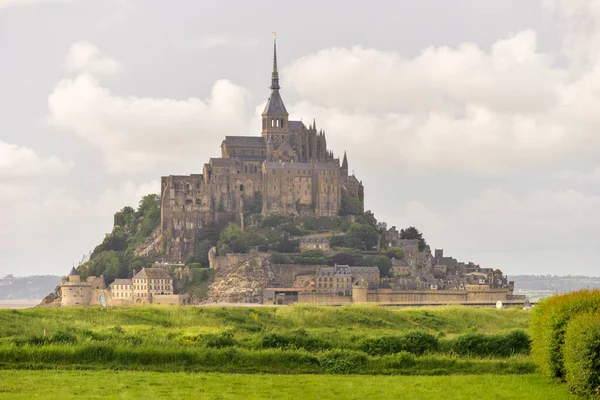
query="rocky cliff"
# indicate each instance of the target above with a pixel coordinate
(241, 281)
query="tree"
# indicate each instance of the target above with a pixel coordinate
(413, 233)
(233, 240)
(394, 252)
(201, 254)
(368, 218)
(361, 236)
(350, 206)
(342, 259)
(384, 264)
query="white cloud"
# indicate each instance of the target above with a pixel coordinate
(19, 162)
(460, 108)
(136, 133)
(512, 231)
(581, 177)
(84, 56)
(20, 3)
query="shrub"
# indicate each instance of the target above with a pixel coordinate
(413, 342)
(548, 324)
(478, 344)
(341, 361)
(219, 340)
(581, 351)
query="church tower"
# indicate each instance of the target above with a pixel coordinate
(275, 116)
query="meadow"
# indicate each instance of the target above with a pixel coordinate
(213, 386)
(368, 340)
(230, 352)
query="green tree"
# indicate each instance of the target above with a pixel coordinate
(233, 240)
(108, 264)
(361, 236)
(394, 252)
(413, 233)
(350, 206)
(384, 264)
(368, 218)
(200, 255)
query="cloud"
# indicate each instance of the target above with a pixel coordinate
(84, 56)
(137, 133)
(462, 109)
(21, 3)
(513, 231)
(20, 162)
(580, 177)
(216, 40)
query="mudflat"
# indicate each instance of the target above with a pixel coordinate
(18, 303)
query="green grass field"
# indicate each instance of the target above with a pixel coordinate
(306, 352)
(366, 340)
(153, 385)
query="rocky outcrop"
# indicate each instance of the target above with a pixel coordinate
(241, 281)
(53, 299)
(151, 245)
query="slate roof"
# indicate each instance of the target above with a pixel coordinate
(314, 240)
(245, 141)
(296, 166)
(73, 272)
(275, 104)
(121, 282)
(295, 125)
(152, 273)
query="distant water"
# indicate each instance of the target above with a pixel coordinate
(19, 303)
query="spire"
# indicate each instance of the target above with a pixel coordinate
(345, 162)
(275, 106)
(274, 73)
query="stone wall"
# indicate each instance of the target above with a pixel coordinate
(322, 298)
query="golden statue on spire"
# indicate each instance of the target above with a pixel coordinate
(275, 34)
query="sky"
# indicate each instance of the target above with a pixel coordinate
(477, 121)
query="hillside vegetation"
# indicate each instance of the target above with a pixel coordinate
(289, 339)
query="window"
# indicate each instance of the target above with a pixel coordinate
(241, 188)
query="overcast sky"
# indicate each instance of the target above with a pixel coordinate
(478, 121)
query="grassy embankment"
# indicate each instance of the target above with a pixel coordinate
(153, 385)
(364, 340)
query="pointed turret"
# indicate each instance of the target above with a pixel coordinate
(275, 115)
(345, 166)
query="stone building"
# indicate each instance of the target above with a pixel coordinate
(150, 283)
(75, 292)
(121, 289)
(338, 280)
(288, 169)
(314, 243)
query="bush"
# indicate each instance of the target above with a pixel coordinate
(548, 323)
(413, 342)
(219, 340)
(581, 351)
(341, 361)
(478, 344)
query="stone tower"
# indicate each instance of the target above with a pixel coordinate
(275, 116)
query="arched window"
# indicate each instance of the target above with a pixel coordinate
(241, 188)
(255, 169)
(282, 122)
(272, 122)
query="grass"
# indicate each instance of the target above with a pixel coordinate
(152, 385)
(307, 339)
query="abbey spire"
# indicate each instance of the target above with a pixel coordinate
(275, 116)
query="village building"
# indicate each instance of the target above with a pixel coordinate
(312, 243)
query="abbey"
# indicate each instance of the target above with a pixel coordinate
(286, 170)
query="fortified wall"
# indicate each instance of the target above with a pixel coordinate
(362, 295)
